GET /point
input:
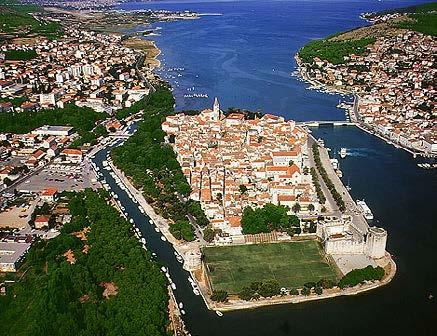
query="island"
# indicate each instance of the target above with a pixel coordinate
(282, 227)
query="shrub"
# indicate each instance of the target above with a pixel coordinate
(358, 276)
(219, 296)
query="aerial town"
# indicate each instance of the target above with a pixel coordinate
(84, 68)
(393, 82)
(232, 163)
(122, 212)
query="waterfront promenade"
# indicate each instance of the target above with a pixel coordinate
(358, 219)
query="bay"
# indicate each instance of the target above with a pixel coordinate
(245, 58)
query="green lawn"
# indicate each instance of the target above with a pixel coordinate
(292, 264)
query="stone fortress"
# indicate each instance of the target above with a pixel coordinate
(351, 246)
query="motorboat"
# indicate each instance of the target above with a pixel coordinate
(364, 208)
(343, 152)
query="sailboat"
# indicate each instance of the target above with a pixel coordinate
(348, 187)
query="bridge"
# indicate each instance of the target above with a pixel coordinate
(318, 123)
(120, 135)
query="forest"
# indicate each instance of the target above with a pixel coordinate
(333, 51)
(82, 119)
(153, 167)
(60, 296)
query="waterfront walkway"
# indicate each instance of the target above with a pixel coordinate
(358, 219)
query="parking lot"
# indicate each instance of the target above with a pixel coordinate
(62, 176)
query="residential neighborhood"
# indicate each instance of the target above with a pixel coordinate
(394, 84)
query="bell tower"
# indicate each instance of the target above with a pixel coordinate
(216, 110)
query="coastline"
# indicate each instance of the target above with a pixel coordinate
(233, 305)
(148, 47)
(182, 248)
(353, 112)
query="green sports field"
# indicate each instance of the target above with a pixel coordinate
(292, 264)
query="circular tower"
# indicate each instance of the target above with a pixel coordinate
(376, 241)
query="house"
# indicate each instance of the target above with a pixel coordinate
(49, 194)
(6, 107)
(42, 222)
(72, 155)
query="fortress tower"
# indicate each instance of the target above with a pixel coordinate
(376, 241)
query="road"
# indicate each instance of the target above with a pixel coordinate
(332, 205)
(358, 220)
(11, 188)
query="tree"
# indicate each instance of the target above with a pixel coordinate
(269, 288)
(318, 290)
(7, 181)
(219, 296)
(325, 283)
(294, 291)
(247, 293)
(219, 197)
(209, 234)
(311, 207)
(296, 207)
(182, 230)
(305, 291)
(243, 189)
(358, 276)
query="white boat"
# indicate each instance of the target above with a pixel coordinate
(163, 238)
(343, 152)
(219, 313)
(143, 240)
(196, 291)
(156, 229)
(131, 221)
(180, 259)
(364, 208)
(182, 312)
(173, 286)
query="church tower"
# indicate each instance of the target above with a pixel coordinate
(216, 110)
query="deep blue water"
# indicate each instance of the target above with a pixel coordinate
(245, 58)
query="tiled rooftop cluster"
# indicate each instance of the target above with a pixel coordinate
(395, 82)
(221, 154)
(84, 68)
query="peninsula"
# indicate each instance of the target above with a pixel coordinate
(389, 68)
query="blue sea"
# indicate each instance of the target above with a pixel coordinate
(244, 56)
